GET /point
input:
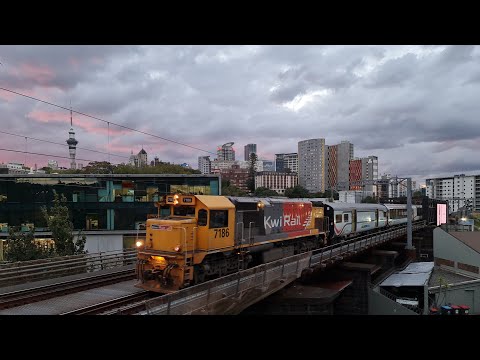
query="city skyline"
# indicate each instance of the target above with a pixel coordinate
(412, 106)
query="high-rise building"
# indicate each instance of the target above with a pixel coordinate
(460, 191)
(370, 172)
(268, 165)
(311, 164)
(250, 148)
(204, 164)
(155, 161)
(286, 161)
(355, 176)
(338, 165)
(226, 152)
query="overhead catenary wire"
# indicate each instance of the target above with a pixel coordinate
(35, 153)
(105, 121)
(57, 143)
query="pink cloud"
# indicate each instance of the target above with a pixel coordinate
(41, 74)
(7, 96)
(95, 126)
(74, 63)
(49, 116)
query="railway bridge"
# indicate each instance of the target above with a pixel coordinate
(234, 293)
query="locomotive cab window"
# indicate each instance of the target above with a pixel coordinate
(218, 218)
(202, 217)
(338, 218)
(184, 211)
(345, 217)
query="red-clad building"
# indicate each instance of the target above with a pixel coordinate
(355, 174)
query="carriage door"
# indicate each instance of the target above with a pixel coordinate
(377, 214)
(354, 221)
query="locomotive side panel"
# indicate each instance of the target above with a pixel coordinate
(216, 223)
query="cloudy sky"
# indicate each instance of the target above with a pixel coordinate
(415, 107)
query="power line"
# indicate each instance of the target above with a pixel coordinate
(35, 153)
(57, 143)
(105, 121)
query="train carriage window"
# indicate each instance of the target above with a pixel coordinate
(338, 218)
(218, 218)
(345, 217)
(202, 217)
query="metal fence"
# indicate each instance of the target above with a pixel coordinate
(233, 293)
(28, 271)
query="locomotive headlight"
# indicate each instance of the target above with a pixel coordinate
(139, 243)
(177, 248)
(160, 260)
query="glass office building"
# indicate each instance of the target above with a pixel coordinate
(103, 202)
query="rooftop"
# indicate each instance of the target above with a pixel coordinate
(469, 238)
(446, 276)
(118, 176)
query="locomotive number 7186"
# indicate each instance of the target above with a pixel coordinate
(220, 233)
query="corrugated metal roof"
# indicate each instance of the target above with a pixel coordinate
(418, 267)
(406, 280)
(415, 274)
(215, 202)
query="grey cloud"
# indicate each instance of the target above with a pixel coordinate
(394, 72)
(420, 105)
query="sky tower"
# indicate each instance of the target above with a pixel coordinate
(72, 144)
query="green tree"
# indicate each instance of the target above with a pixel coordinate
(417, 194)
(264, 192)
(21, 246)
(59, 223)
(369, 200)
(252, 170)
(232, 190)
(99, 167)
(297, 192)
(331, 194)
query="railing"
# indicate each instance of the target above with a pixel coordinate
(415, 309)
(233, 293)
(27, 271)
(230, 294)
(455, 227)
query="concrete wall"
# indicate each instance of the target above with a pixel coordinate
(381, 305)
(97, 243)
(467, 293)
(446, 246)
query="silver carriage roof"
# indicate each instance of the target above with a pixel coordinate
(400, 206)
(354, 206)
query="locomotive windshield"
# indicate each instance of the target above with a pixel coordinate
(184, 211)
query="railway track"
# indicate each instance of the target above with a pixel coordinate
(125, 305)
(34, 294)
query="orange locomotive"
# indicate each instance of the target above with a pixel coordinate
(207, 236)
